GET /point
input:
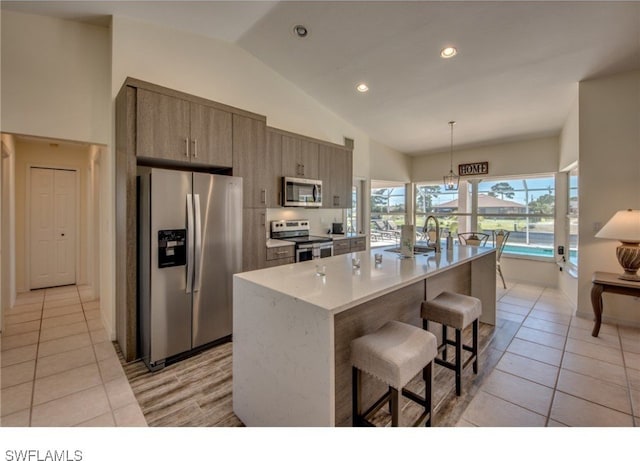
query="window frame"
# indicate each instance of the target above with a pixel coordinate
(474, 215)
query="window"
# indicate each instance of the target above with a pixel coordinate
(524, 206)
(388, 212)
(572, 218)
(352, 213)
(453, 214)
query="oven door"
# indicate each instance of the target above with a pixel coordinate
(323, 250)
(304, 253)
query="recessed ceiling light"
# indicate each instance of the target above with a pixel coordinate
(448, 52)
(300, 30)
(362, 87)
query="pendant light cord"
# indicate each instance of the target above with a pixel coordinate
(451, 123)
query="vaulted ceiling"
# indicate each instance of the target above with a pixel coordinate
(515, 75)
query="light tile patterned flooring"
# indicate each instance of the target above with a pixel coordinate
(553, 372)
(58, 367)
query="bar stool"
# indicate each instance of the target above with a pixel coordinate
(394, 354)
(456, 311)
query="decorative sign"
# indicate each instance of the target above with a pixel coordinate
(470, 169)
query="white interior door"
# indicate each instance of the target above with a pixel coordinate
(53, 227)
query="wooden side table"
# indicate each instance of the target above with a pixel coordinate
(606, 282)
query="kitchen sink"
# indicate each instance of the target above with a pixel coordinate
(417, 250)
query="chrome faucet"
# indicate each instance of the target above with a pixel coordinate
(425, 230)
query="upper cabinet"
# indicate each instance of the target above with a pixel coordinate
(299, 157)
(336, 170)
(211, 136)
(175, 129)
(250, 160)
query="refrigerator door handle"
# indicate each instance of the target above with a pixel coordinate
(198, 250)
(189, 243)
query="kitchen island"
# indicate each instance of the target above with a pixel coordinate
(292, 328)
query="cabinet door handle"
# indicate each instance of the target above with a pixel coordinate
(302, 169)
(336, 200)
(186, 147)
(195, 148)
(279, 253)
(263, 196)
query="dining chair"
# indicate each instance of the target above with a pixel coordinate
(473, 238)
(500, 238)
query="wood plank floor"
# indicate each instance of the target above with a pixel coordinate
(197, 391)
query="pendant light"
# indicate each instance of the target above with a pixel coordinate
(451, 181)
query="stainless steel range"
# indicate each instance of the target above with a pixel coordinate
(307, 246)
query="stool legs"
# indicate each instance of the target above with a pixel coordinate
(395, 405)
(427, 374)
(355, 397)
(458, 362)
(444, 341)
(458, 365)
(475, 346)
(359, 418)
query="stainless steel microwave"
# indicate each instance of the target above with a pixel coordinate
(301, 192)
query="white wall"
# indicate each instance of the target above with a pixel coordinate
(569, 139)
(514, 158)
(56, 83)
(55, 78)
(43, 154)
(387, 164)
(223, 72)
(7, 218)
(609, 140)
(568, 158)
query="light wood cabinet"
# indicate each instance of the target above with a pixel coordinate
(178, 130)
(336, 169)
(162, 126)
(299, 157)
(281, 255)
(341, 247)
(349, 245)
(211, 136)
(274, 169)
(358, 244)
(250, 160)
(254, 239)
(288, 251)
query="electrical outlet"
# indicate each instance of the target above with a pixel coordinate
(560, 250)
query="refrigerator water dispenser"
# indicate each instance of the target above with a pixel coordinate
(172, 248)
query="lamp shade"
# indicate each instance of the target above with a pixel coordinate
(623, 226)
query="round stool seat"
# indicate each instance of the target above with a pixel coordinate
(452, 309)
(395, 353)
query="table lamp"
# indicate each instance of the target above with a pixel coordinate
(625, 227)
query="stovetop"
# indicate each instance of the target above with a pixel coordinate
(295, 231)
(307, 239)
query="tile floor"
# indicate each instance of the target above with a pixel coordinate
(553, 372)
(58, 367)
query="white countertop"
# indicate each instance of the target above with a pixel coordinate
(345, 236)
(275, 243)
(343, 287)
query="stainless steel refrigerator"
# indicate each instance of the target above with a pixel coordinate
(190, 245)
